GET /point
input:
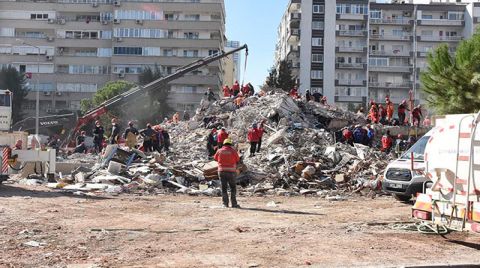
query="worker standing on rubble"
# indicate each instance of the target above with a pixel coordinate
(387, 142)
(373, 113)
(211, 95)
(166, 140)
(402, 108)
(212, 142)
(98, 133)
(147, 135)
(389, 109)
(416, 115)
(157, 141)
(227, 158)
(227, 93)
(221, 137)
(323, 101)
(130, 136)
(115, 133)
(370, 135)
(308, 96)
(253, 137)
(261, 131)
(235, 88)
(245, 90)
(81, 147)
(294, 92)
(358, 134)
(382, 113)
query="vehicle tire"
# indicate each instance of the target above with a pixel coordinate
(403, 198)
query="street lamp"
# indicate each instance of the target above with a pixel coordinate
(37, 100)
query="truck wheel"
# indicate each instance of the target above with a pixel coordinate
(403, 198)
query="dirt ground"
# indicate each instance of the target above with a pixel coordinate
(186, 231)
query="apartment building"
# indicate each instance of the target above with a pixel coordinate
(355, 51)
(232, 64)
(73, 47)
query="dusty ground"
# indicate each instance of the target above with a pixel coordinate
(183, 231)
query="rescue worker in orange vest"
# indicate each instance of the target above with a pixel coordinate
(221, 137)
(253, 137)
(294, 93)
(373, 114)
(387, 142)
(227, 158)
(416, 115)
(382, 113)
(227, 93)
(389, 109)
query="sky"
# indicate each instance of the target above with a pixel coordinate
(255, 22)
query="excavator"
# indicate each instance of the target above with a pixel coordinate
(139, 91)
(49, 125)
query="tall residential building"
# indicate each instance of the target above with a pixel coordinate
(232, 64)
(73, 47)
(354, 51)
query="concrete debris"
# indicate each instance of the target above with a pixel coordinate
(300, 154)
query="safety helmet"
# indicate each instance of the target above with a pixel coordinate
(130, 123)
(227, 142)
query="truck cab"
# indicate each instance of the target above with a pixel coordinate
(405, 176)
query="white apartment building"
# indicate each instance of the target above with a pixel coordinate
(355, 51)
(73, 47)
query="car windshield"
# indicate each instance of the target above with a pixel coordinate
(418, 149)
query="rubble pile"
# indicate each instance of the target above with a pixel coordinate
(299, 155)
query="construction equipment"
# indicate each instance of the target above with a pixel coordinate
(138, 91)
(450, 162)
(49, 125)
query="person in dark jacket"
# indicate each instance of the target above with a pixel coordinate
(358, 134)
(211, 95)
(130, 129)
(98, 133)
(166, 140)
(212, 142)
(147, 135)
(81, 147)
(308, 96)
(130, 136)
(115, 133)
(402, 108)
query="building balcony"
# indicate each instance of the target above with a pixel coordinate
(295, 16)
(350, 82)
(351, 33)
(390, 21)
(391, 69)
(431, 38)
(294, 35)
(441, 22)
(294, 50)
(390, 85)
(352, 17)
(404, 37)
(354, 99)
(359, 49)
(357, 66)
(422, 54)
(391, 53)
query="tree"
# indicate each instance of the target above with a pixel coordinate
(285, 80)
(452, 82)
(271, 80)
(14, 81)
(149, 75)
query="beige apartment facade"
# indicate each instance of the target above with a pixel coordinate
(73, 47)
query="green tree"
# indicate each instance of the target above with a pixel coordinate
(285, 80)
(150, 74)
(14, 81)
(451, 83)
(108, 91)
(271, 80)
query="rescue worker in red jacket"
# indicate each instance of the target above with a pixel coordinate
(323, 101)
(416, 115)
(261, 130)
(227, 158)
(347, 135)
(387, 142)
(246, 90)
(294, 92)
(227, 92)
(253, 137)
(382, 113)
(402, 108)
(221, 137)
(390, 109)
(235, 89)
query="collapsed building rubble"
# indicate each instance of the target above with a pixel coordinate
(300, 154)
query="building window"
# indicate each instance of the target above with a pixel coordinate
(128, 69)
(316, 74)
(317, 25)
(317, 42)
(191, 35)
(317, 58)
(375, 14)
(36, 16)
(168, 52)
(104, 52)
(190, 53)
(127, 51)
(212, 52)
(378, 61)
(106, 34)
(76, 87)
(318, 9)
(151, 51)
(192, 17)
(138, 15)
(88, 69)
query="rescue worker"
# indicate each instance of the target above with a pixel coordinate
(347, 135)
(212, 142)
(416, 115)
(166, 140)
(147, 135)
(317, 96)
(246, 90)
(227, 158)
(157, 139)
(130, 135)
(239, 101)
(387, 142)
(211, 95)
(373, 113)
(80, 142)
(115, 133)
(389, 109)
(98, 133)
(176, 118)
(235, 88)
(18, 145)
(402, 108)
(294, 92)
(251, 89)
(81, 138)
(382, 113)
(221, 137)
(253, 139)
(308, 96)
(370, 135)
(261, 131)
(358, 134)
(227, 93)
(323, 101)
(399, 145)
